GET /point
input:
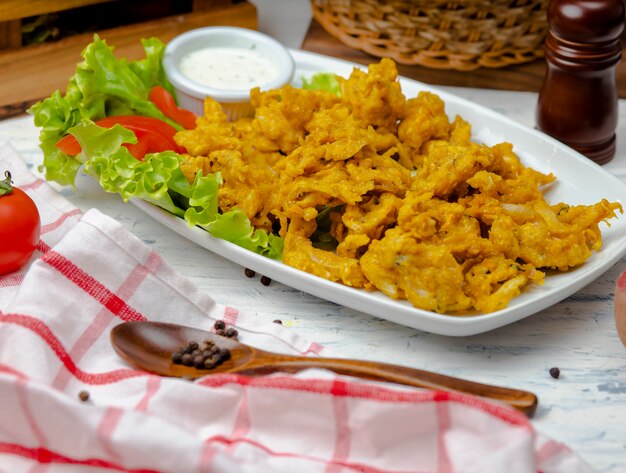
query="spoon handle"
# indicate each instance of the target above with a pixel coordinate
(523, 401)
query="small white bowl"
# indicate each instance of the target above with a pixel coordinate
(236, 102)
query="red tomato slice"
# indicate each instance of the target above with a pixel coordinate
(153, 136)
(164, 101)
(69, 145)
(138, 122)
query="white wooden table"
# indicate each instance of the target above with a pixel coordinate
(585, 408)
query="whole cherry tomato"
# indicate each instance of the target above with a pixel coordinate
(19, 226)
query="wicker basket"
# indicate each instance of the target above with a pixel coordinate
(462, 35)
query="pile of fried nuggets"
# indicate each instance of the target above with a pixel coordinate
(379, 192)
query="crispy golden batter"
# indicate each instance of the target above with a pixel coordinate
(378, 192)
(375, 98)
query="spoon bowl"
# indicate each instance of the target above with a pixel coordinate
(149, 346)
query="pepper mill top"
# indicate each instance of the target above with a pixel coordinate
(578, 99)
(589, 21)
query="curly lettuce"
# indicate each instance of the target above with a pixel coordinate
(105, 86)
(102, 86)
(322, 81)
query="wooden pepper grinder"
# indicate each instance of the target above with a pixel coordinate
(578, 99)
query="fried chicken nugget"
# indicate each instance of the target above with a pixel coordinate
(375, 97)
(562, 237)
(425, 119)
(213, 132)
(492, 282)
(281, 114)
(372, 217)
(426, 274)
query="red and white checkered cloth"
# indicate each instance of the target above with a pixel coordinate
(90, 274)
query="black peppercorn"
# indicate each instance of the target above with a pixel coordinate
(555, 372)
(206, 354)
(231, 332)
(278, 321)
(187, 359)
(224, 354)
(249, 273)
(265, 280)
(198, 361)
(219, 325)
(177, 358)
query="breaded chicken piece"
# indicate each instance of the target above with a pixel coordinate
(376, 192)
(375, 97)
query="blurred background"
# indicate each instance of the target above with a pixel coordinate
(484, 44)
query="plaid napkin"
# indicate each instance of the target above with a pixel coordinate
(90, 274)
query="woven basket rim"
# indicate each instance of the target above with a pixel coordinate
(462, 35)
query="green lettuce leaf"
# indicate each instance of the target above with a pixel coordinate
(322, 81)
(150, 69)
(54, 116)
(235, 227)
(158, 179)
(102, 86)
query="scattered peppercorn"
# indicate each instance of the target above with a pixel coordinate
(249, 273)
(204, 355)
(278, 321)
(231, 332)
(222, 331)
(265, 280)
(555, 372)
(83, 396)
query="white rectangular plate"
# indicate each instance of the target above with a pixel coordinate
(579, 181)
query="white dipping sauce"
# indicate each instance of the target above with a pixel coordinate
(228, 68)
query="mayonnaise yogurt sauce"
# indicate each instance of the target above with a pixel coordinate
(228, 67)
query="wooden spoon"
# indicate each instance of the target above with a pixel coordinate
(149, 346)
